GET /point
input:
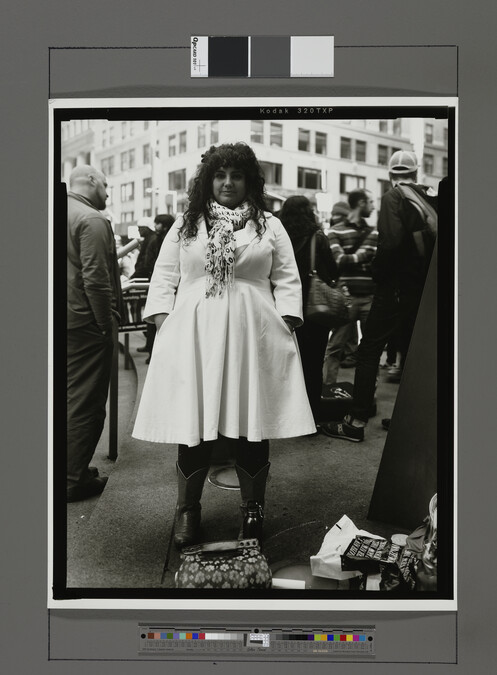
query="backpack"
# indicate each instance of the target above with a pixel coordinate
(427, 213)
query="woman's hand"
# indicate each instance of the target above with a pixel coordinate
(159, 320)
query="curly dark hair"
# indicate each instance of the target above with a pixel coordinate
(298, 217)
(238, 156)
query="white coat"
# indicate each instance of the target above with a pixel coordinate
(225, 365)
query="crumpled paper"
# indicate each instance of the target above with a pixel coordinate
(327, 562)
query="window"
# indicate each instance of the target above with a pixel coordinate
(428, 133)
(309, 178)
(276, 134)
(397, 127)
(123, 129)
(177, 180)
(304, 140)
(124, 161)
(104, 139)
(201, 137)
(145, 125)
(321, 140)
(147, 213)
(257, 131)
(428, 164)
(383, 126)
(147, 187)
(127, 216)
(111, 135)
(349, 183)
(382, 155)
(131, 128)
(446, 136)
(360, 151)
(345, 148)
(147, 154)
(107, 165)
(172, 146)
(214, 132)
(182, 141)
(127, 192)
(127, 160)
(445, 166)
(272, 172)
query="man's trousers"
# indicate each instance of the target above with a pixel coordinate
(89, 363)
(390, 311)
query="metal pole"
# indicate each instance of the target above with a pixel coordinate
(113, 397)
(126, 352)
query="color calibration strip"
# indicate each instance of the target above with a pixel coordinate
(262, 56)
(359, 642)
(255, 637)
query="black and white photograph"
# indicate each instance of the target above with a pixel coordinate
(252, 338)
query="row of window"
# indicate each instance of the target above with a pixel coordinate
(128, 129)
(127, 160)
(306, 178)
(177, 142)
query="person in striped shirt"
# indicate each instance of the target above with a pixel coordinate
(353, 245)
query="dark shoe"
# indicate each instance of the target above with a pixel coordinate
(394, 374)
(93, 471)
(188, 509)
(252, 493)
(91, 488)
(385, 423)
(142, 350)
(342, 430)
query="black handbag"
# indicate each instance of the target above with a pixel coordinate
(230, 564)
(327, 305)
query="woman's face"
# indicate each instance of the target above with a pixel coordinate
(229, 187)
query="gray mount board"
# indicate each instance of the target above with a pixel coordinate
(28, 30)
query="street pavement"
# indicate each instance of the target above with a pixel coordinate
(123, 538)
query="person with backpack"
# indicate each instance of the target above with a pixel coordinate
(407, 227)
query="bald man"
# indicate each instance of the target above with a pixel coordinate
(93, 309)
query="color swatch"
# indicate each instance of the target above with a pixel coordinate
(262, 56)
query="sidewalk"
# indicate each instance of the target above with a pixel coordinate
(123, 539)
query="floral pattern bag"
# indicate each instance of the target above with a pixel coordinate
(225, 564)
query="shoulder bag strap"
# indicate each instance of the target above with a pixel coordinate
(426, 210)
(313, 254)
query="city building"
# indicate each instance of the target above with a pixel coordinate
(149, 164)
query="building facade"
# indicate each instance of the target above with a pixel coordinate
(149, 164)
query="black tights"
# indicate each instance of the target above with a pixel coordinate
(251, 456)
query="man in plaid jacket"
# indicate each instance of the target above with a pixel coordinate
(353, 244)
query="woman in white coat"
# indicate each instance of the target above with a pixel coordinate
(225, 297)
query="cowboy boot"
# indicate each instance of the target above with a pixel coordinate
(252, 491)
(188, 506)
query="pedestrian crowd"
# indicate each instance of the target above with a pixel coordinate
(229, 351)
